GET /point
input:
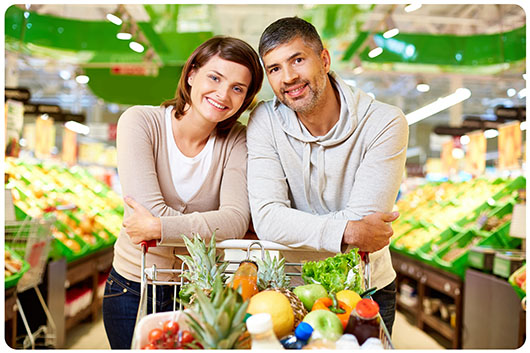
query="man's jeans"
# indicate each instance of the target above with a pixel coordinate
(386, 298)
(120, 306)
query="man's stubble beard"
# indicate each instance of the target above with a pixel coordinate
(298, 106)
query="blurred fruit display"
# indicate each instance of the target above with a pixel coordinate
(440, 222)
(88, 213)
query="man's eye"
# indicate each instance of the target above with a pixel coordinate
(298, 60)
(274, 69)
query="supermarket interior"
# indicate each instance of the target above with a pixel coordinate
(457, 72)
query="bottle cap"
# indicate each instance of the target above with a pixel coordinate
(367, 308)
(303, 331)
(259, 323)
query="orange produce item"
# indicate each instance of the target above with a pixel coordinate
(341, 309)
(246, 277)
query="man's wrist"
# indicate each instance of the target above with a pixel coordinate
(350, 233)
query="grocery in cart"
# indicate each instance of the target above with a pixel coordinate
(210, 314)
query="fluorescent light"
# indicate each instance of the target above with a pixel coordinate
(464, 140)
(510, 92)
(412, 7)
(461, 94)
(82, 79)
(491, 133)
(523, 126)
(391, 33)
(65, 74)
(124, 36)
(44, 116)
(522, 93)
(524, 76)
(423, 87)
(458, 153)
(358, 70)
(375, 52)
(114, 19)
(77, 127)
(137, 47)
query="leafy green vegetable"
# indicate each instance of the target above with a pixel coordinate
(342, 271)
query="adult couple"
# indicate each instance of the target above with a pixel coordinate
(325, 163)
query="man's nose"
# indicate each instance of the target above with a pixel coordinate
(289, 75)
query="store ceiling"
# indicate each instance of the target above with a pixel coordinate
(393, 83)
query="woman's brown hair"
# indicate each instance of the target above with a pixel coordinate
(228, 48)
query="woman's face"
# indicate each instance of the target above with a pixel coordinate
(218, 89)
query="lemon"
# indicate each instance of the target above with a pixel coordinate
(277, 306)
(349, 297)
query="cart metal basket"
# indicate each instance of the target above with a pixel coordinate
(145, 321)
(30, 239)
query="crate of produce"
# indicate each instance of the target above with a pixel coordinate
(67, 244)
(412, 240)
(499, 220)
(453, 257)
(427, 250)
(15, 267)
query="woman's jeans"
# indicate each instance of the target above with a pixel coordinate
(120, 306)
(386, 298)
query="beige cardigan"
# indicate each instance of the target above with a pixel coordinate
(221, 203)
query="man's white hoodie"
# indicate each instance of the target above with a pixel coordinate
(303, 189)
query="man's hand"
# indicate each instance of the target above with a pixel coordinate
(370, 233)
(141, 224)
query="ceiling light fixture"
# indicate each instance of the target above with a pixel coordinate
(77, 127)
(491, 133)
(124, 36)
(65, 74)
(114, 19)
(522, 93)
(391, 33)
(82, 79)
(412, 7)
(510, 92)
(464, 140)
(522, 126)
(137, 47)
(460, 95)
(375, 52)
(423, 87)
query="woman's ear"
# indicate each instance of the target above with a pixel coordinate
(191, 75)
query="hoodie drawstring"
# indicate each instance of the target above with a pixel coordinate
(321, 176)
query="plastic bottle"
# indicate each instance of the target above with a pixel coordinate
(364, 321)
(301, 335)
(246, 277)
(261, 333)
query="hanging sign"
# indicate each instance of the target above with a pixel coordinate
(449, 163)
(476, 153)
(44, 137)
(14, 120)
(69, 153)
(509, 142)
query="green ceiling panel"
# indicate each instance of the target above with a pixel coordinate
(445, 49)
(145, 90)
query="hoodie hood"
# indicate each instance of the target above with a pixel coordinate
(354, 105)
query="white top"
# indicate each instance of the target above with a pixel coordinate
(188, 173)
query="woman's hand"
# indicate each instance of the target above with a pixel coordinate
(141, 224)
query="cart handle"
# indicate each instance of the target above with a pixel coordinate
(146, 244)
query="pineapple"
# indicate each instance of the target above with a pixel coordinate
(218, 322)
(203, 267)
(271, 276)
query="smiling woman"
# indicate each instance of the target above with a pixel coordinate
(182, 167)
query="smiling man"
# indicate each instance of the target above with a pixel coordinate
(325, 161)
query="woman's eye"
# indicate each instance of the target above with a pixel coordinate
(238, 89)
(214, 78)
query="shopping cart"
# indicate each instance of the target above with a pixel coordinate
(145, 322)
(31, 239)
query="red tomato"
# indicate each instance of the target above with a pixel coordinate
(156, 337)
(149, 346)
(170, 328)
(170, 343)
(186, 337)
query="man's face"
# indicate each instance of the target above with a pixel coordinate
(297, 74)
